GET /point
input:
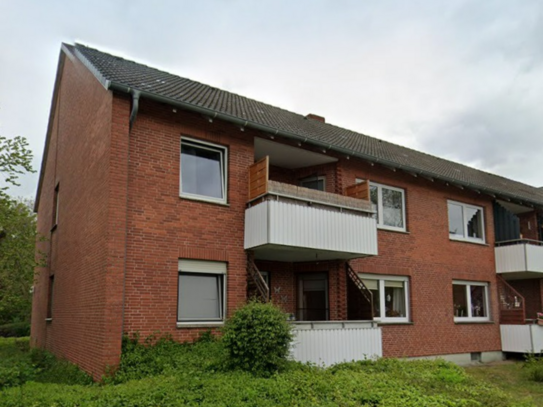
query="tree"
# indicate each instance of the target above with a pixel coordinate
(17, 260)
(15, 159)
(17, 234)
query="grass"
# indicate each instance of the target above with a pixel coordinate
(513, 378)
(172, 374)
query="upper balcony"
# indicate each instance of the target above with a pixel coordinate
(519, 259)
(285, 222)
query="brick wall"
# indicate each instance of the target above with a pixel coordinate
(431, 261)
(162, 227)
(84, 329)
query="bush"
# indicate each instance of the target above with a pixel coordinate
(50, 369)
(15, 330)
(534, 368)
(257, 338)
(160, 354)
(16, 375)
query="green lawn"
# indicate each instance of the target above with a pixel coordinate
(172, 374)
(511, 378)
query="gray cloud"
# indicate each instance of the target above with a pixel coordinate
(460, 79)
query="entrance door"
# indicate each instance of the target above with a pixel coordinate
(312, 297)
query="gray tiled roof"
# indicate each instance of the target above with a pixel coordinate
(112, 69)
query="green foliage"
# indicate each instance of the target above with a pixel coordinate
(187, 375)
(19, 364)
(258, 338)
(17, 260)
(534, 368)
(15, 159)
(15, 330)
(159, 354)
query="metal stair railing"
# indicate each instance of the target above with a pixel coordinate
(257, 278)
(365, 291)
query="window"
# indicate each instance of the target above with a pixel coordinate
(390, 205)
(466, 222)
(203, 171)
(50, 294)
(390, 297)
(55, 206)
(201, 290)
(314, 182)
(470, 301)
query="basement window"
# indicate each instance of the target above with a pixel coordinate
(203, 171)
(470, 301)
(390, 297)
(202, 291)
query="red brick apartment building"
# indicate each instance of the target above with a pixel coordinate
(167, 203)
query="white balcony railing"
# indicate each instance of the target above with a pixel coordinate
(292, 223)
(521, 258)
(522, 338)
(317, 342)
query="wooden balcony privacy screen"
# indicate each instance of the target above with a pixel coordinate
(258, 178)
(360, 190)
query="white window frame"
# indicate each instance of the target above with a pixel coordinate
(464, 237)
(381, 283)
(204, 145)
(380, 211)
(194, 267)
(312, 179)
(470, 317)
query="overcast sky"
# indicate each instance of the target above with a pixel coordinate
(459, 79)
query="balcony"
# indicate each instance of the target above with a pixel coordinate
(285, 222)
(519, 259)
(522, 338)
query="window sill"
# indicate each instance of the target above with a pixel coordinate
(460, 240)
(385, 229)
(49, 320)
(203, 200)
(199, 324)
(384, 323)
(473, 322)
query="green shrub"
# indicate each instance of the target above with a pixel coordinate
(534, 368)
(50, 369)
(15, 330)
(257, 338)
(159, 354)
(16, 375)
